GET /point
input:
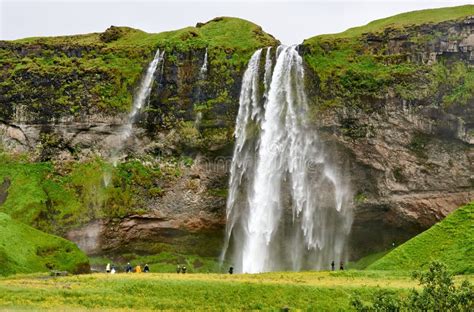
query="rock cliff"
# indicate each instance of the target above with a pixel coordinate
(393, 103)
(397, 104)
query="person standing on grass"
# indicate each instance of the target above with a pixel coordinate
(146, 268)
(128, 268)
(341, 266)
(178, 269)
(138, 269)
(231, 270)
(332, 265)
(107, 268)
(183, 269)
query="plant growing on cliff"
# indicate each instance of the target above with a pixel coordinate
(439, 293)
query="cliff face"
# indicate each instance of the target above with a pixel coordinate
(394, 105)
(64, 102)
(402, 114)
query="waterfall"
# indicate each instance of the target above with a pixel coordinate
(203, 70)
(243, 161)
(138, 103)
(288, 206)
(267, 78)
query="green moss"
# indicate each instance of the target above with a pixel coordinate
(219, 192)
(26, 250)
(450, 241)
(55, 198)
(419, 144)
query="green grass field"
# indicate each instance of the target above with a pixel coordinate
(312, 291)
(317, 291)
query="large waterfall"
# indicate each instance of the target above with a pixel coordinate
(288, 206)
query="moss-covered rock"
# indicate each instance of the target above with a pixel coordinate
(421, 56)
(81, 75)
(24, 249)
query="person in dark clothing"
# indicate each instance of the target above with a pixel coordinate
(231, 270)
(146, 268)
(178, 269)
(341, 266)
(183, 269)
(332, 265)
(128, 268)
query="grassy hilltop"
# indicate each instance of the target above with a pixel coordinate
(363, 64)
(99, 71)
(413, 18)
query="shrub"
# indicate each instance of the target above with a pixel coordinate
(438, 294)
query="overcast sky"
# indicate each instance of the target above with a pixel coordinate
(289, 21)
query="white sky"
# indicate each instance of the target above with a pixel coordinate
(289, 21)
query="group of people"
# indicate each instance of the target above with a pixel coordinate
(128, 268)
(179, 269)
(333, 266)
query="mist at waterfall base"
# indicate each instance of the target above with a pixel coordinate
(289, 205)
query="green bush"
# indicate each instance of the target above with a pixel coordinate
(439, 293)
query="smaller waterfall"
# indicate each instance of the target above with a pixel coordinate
(143, 92)
(203, 70)
(202, 78)
(138, 102)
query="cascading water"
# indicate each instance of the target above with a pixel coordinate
(138, 102)
(202, 77)
(203, 70)
(288, 207)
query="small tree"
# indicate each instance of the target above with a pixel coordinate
(438, 294)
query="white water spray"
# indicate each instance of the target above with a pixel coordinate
(288, 207)
(203, 70)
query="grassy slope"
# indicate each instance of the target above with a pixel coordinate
(319, 291)
(450, 241)
(364, 262)
(109, 71)
(350, 72)
(25, 250)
